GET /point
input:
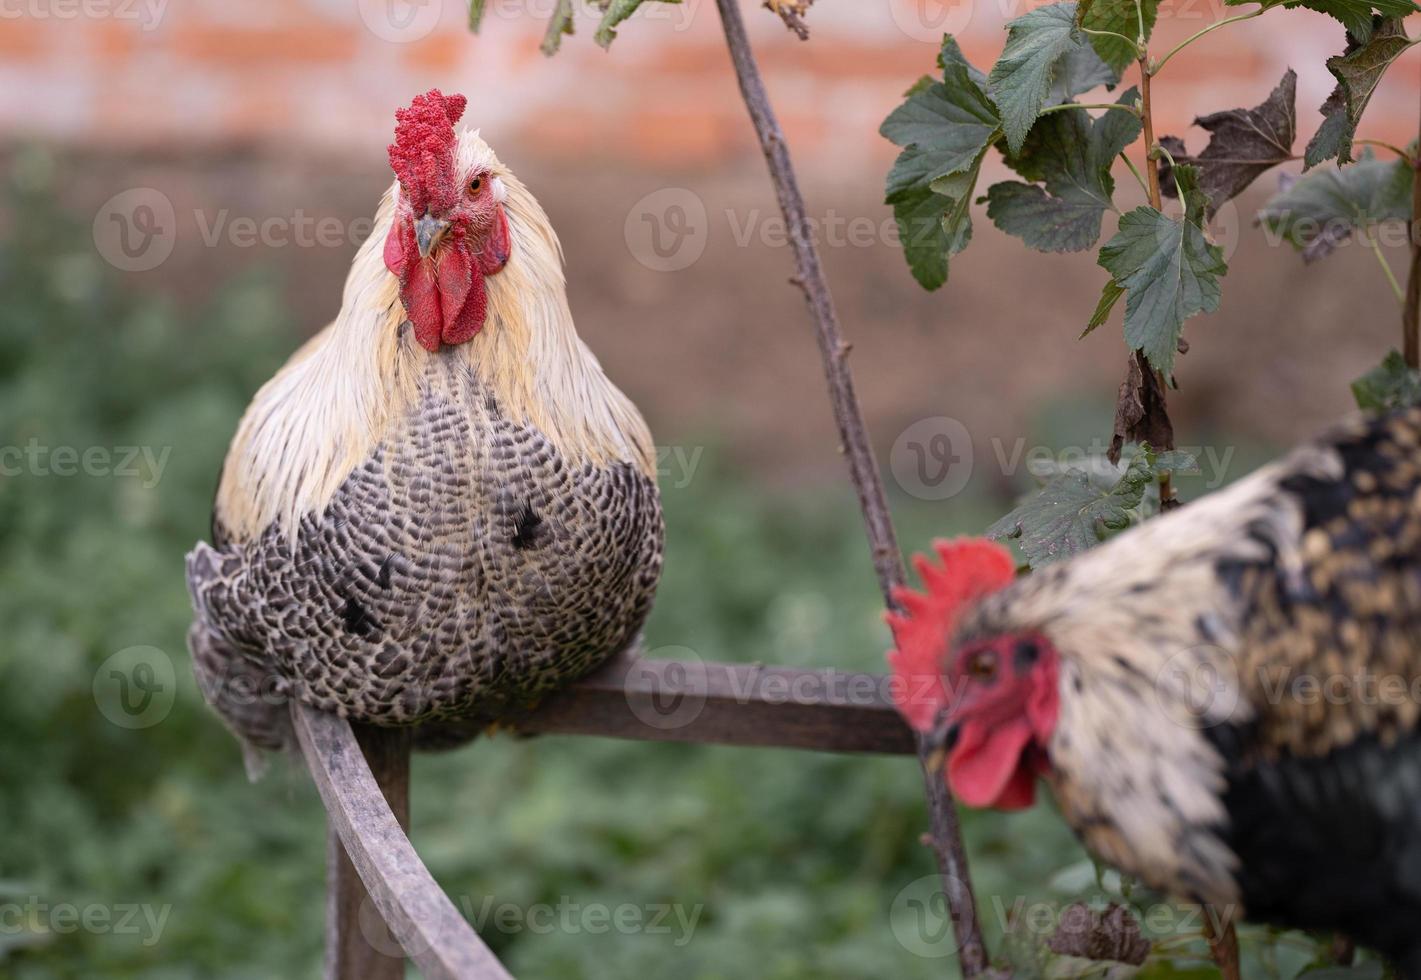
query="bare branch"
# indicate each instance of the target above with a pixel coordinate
(1144, 387)
(863, 467)
(792, 13)
(1411, 317)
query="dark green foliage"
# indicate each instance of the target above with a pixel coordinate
(1391, 384)
(1358, 71)
(1072, 153)
(1124, 17)
(1322, 209)
(1023, 77)
(1072, 512)
(1169, 269)
(945, 129)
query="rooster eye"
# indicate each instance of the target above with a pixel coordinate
(982, 665)
(476, 185)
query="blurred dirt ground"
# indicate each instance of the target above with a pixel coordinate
(722, 349)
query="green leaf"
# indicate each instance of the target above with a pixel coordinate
(1355, 15)
(1022, 77)
(951, 54)
(1245, 143)
(947, 123)
(1072, 153)
(1109, 296)
(558, 25)
(613, 13)
(1358, 71)
(935, 223)
(476, 14)
(1333, 138)
(1118, 17)
(1323, 208)
(945, 129)
(1391, 384)
(1170, 270)
(1070, 514)
(1080, 70)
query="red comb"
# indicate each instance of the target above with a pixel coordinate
(422, 155)
(971, 568)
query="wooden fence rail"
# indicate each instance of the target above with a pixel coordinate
(383, 901)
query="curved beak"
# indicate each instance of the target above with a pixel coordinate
(428, 230)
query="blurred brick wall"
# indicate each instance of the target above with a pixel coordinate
(326, 74)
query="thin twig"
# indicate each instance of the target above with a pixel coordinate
(1090, 105)
(1223, 941)
(863, 466)
(1212, 27)
(1157, 404)
(1411, 314)
(1136, 171)
(1383, 144)
(1396, 289)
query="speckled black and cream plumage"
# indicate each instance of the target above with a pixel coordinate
(406, 537)
(1240, 687)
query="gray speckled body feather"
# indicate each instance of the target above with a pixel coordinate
(464, 570)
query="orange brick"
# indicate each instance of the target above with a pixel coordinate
(115, 41)
(257, 113)
(22, 39)
(669, 137)
(437, 53)
(245, 46)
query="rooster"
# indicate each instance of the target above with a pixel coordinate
(440, 508)
(1224, 701)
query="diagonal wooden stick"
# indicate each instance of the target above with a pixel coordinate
(946, 837)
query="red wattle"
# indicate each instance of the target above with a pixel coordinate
(445, 300)
(456, 269)
(470, 319)
(420, 294)
(985, 761)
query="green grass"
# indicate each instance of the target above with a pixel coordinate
(582, 858)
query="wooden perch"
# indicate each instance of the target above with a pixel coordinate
(727, 704)
(421, 917)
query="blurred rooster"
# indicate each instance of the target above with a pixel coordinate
(1224, 701)
(440, 508)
